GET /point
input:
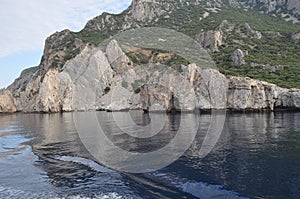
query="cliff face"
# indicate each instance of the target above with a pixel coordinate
(285, 8)
(74, 74)
(90, 82)
(98, 79)
(7, 102)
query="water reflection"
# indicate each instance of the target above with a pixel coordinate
(257, 155)
(113, 145)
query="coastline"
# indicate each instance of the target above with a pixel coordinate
(172, 112)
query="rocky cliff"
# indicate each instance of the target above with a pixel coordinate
(98, 79)
(7, 102)
(289, 9)
(76, 74)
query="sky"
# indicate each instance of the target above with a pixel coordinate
(26, 24)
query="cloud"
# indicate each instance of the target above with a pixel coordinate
(26, 24)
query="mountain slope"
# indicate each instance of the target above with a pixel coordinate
(193, 17)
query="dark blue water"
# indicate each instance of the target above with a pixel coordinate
(256, 156)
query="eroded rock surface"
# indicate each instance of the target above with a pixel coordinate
(238, 58)
(210, 40)
(7, 102)
(108, 80)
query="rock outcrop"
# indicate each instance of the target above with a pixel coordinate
(277, 7)
(294, 6)
(7, 102)
(246, 93)
(60, 47)
(226, 27)
(289, 99)
(249, 94)
(296, 36)
(117, 58)
(252, 33)
(268, 67)
(21, 82)
(238, 58)
(210, 40)
(272, 34)
(147, 10)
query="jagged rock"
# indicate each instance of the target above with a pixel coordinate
(21, 82)
(294, 6)
(272, 34)
(226, 26)
(7, 102)
(76, 87)
(237, 58)
(296, 36)
(211, 89)
(157, 98)
(59, 47)
(50, 96)
(269, 67)
(245, 93)
(119, 99)
(234, 3)
(88, 82)
(28, 96)
(289, 99)
(91, 75)
(196, 88)
(210, 40)
(117, 58)
(252, 33)
(147, 10)
(268, 6)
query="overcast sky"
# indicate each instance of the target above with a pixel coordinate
(26, 24)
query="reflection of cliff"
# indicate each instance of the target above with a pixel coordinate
(257, 147)
(259, 129)
(125, 145)
(252, 133)
(55, 135)
(249, 154)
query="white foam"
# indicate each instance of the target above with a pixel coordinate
(11, 193)
(205, 15)
(198, 189)
(14, 193)
(205, 191)
(93, 165)
(112, 195)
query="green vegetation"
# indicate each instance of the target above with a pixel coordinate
(106, 90)
(93, 35)
(273, 51)
(281, 50)
(258, 21)
(268, 50)
(124, 84)
(147, 56)
(138, 58)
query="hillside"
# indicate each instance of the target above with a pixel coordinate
(273, 57)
